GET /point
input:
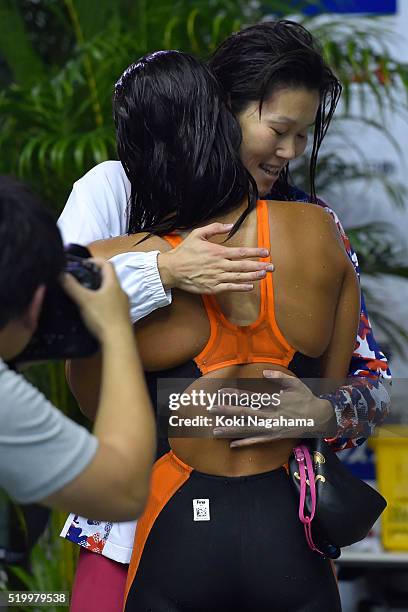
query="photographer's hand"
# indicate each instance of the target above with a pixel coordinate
(200, 266)
(101, 309)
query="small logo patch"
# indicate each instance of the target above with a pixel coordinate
(201, 509)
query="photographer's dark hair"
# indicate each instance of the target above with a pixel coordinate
(252, 64)
(31, 251)
(178, 143)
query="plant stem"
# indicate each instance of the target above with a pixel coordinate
(87, 63)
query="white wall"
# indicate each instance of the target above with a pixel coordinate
(361, 203)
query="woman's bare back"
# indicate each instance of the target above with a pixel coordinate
(310, 267)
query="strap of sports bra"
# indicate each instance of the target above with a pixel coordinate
(267, 291)
(264, 240)
(173, 239)
(211, 304)
(262, 217)
(263, 229)
(266, 286)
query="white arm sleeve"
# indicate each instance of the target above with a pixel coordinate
(139, 277)
(96, 210)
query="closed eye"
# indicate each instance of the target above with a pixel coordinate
(276, 132)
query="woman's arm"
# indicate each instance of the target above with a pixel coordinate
(336, 358)
(84, 380)
(97, 209)
(83, 375)
(364, 402)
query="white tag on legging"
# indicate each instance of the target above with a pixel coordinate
(201, 509)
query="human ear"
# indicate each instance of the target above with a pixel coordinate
(32, 315)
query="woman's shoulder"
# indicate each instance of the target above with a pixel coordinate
(97, 206)
(307, 223)
(106, 176)
(104, 186)
(292, 194)
(293, 208)
(132, 243)
(109, 167)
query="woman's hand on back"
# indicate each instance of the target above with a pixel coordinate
(309, 414)
(200, 266)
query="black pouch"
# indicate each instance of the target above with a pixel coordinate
(336, 508)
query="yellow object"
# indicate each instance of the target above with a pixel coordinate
(391, 449)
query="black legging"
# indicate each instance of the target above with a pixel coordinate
(250, 556)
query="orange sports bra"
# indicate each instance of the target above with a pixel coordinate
(259, 342)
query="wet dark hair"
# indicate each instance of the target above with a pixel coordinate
(179, 145)
(31, 253)
(252, 64)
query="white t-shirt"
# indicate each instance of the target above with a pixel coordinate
(96, 210)
(97, 206)
(41, 450)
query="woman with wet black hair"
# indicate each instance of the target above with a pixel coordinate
(189, 170)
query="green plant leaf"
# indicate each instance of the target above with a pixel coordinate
(15, 46)
(168, 32)
(191, 25)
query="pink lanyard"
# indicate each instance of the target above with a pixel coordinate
(302, 456)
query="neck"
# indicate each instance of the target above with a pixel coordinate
(231, 216)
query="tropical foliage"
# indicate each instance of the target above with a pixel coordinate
(56, 113)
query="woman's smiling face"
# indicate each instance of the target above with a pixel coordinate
(279, 135)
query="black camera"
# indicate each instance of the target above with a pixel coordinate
(61, 333)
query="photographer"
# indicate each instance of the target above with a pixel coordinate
(44, 456)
